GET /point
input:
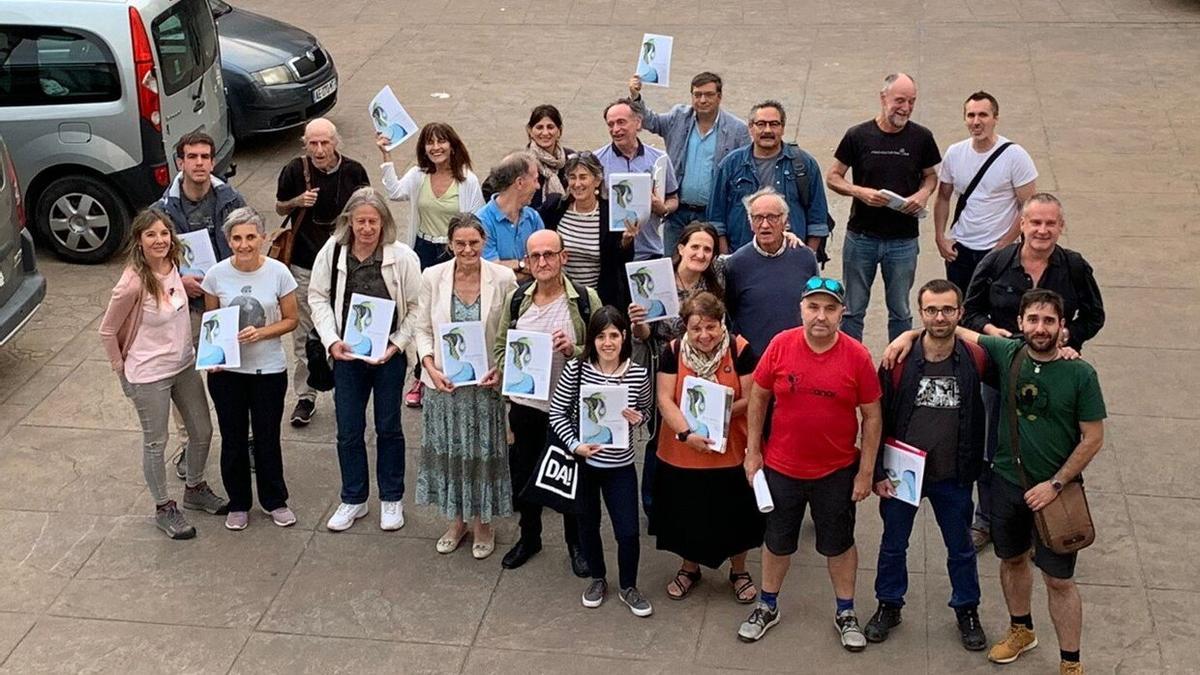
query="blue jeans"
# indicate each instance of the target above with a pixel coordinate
(673, 227)
(952, 508)
(354, 382)
(619, 486)
(991, 409)
(861, 254)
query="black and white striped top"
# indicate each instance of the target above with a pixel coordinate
(580, 234)
(564, 405)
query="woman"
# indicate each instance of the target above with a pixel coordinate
(704, 511)
(605, 470)
(147, 334)
(249, 398)
(438, 187)
(545, 142)
(697, 270)
(464, 462)
(369, 261)
(596, 256)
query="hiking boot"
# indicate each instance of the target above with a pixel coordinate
(970, 630)
(594, 595)
(237, 520)
(980, 538)
(852, 636)
(882, 622)
(202, 498)
(413, 398)
(302, 414)
(759, 622)
(1070, 668)
(636, 602)
(170, 520)
(1016, 642)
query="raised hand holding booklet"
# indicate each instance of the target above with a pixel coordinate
(391, 119)
(654, 60)
(464, 357)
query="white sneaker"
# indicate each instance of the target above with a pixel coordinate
(345, 516)
(391, 516)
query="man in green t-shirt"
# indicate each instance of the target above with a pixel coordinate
(1060, 413)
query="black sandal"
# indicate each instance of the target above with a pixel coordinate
(739, 588)
(692, 578)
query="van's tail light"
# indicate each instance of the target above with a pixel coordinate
(161, 175)
(10, 174)
(143, 64)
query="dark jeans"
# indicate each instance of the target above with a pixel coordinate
(650, 469)
(529, 427)
(991, 409)
(354, 382)
(963, 267)
(952, 508)
(619, 487)
(246, 403)
(673, 226)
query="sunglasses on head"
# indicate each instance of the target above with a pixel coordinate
(831, 285)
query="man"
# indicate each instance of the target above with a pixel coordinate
(932, 402)
(820, 382)
(990, 217)
(553, 305)
(1060, 425)
(507, 217)
(893, 153)
(768, 162)
(767, 275)
(698, 137)
(313, 189)
(197, 201)
(627, 154)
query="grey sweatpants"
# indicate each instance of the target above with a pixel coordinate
(153, 403)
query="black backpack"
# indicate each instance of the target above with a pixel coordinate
(582, 302)
(800, 169)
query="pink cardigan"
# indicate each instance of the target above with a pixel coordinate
(122, 318)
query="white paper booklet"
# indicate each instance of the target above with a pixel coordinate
(219, 347)
(654, 60)
(600, 419)
(464, 354)
(368, 325)
(527, 359)
(390, 118)
(707, 407)
(198, 254)
(628, 200)
(652, 285)
(896, 203)
(905, 468)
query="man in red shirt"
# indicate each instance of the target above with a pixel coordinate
(820, 379)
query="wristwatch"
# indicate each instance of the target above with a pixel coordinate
(1056, 484)
(683, 435)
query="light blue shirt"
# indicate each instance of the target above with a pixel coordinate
(698, 166)
(505, 240)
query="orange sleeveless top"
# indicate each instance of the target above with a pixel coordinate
(685, 456)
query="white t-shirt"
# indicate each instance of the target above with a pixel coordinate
(992, 207)
(257, 295)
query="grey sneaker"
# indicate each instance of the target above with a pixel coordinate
(237, 520)
(170, 520)
(282, 516)
(759, 622)
(181, 463)
(847, 627)
(594, 595)
(202, 498)
(637, 604)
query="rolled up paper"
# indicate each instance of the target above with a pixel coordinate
(762, 494)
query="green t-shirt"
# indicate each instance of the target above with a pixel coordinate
(1051, 403)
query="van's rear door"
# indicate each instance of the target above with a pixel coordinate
(191, 93)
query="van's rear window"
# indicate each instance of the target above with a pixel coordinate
(52, 66)
(186, 41)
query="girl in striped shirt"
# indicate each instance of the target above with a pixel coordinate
(608, 471)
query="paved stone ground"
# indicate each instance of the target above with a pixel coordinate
(1097, 90)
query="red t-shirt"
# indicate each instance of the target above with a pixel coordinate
(815, 424)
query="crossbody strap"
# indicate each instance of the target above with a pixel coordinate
(333, 279)
(1014, 435)
(987, 164)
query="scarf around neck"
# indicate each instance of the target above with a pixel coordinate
(703, 365)
(549, 164)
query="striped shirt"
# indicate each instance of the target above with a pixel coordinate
(580, 234)
(564, 406)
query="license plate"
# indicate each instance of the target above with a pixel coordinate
(324, 91)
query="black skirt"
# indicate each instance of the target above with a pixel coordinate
(705, 515)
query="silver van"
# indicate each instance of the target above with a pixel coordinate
(93, 96)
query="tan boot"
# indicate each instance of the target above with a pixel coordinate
(1070, 668)
(1017, 641)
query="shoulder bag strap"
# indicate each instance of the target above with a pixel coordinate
(987, 164)
(1014, 434)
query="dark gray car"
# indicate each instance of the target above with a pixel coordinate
(22, 287)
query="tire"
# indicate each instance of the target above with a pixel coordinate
(82, 219)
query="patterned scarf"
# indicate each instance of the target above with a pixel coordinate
(703, 365)
(549, 165)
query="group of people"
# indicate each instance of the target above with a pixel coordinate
(743, 216)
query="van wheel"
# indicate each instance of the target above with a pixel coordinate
(82, 218)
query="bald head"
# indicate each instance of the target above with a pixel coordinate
(321, 142)
(545, 256)
(896, 101)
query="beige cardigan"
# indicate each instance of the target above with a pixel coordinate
(433, 308)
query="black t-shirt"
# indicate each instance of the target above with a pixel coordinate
(334, 191)
(886, 161)
(744, 362)
(201, 215)
(933, 426)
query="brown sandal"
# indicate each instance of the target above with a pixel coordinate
(739, 589)
(692, 578)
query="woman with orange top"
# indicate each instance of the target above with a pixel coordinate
(704, 511)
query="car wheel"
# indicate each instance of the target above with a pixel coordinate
(82, 219)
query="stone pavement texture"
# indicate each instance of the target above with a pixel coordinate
(1101, 92)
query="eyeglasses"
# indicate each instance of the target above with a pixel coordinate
(538, 257)
(767, 124)
(831, 285)
(932, 312)
(772, 218)
(705, 94)
(464, 245)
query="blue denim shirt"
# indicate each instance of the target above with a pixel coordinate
(506, 240)
(736, 180)
(675, 125)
